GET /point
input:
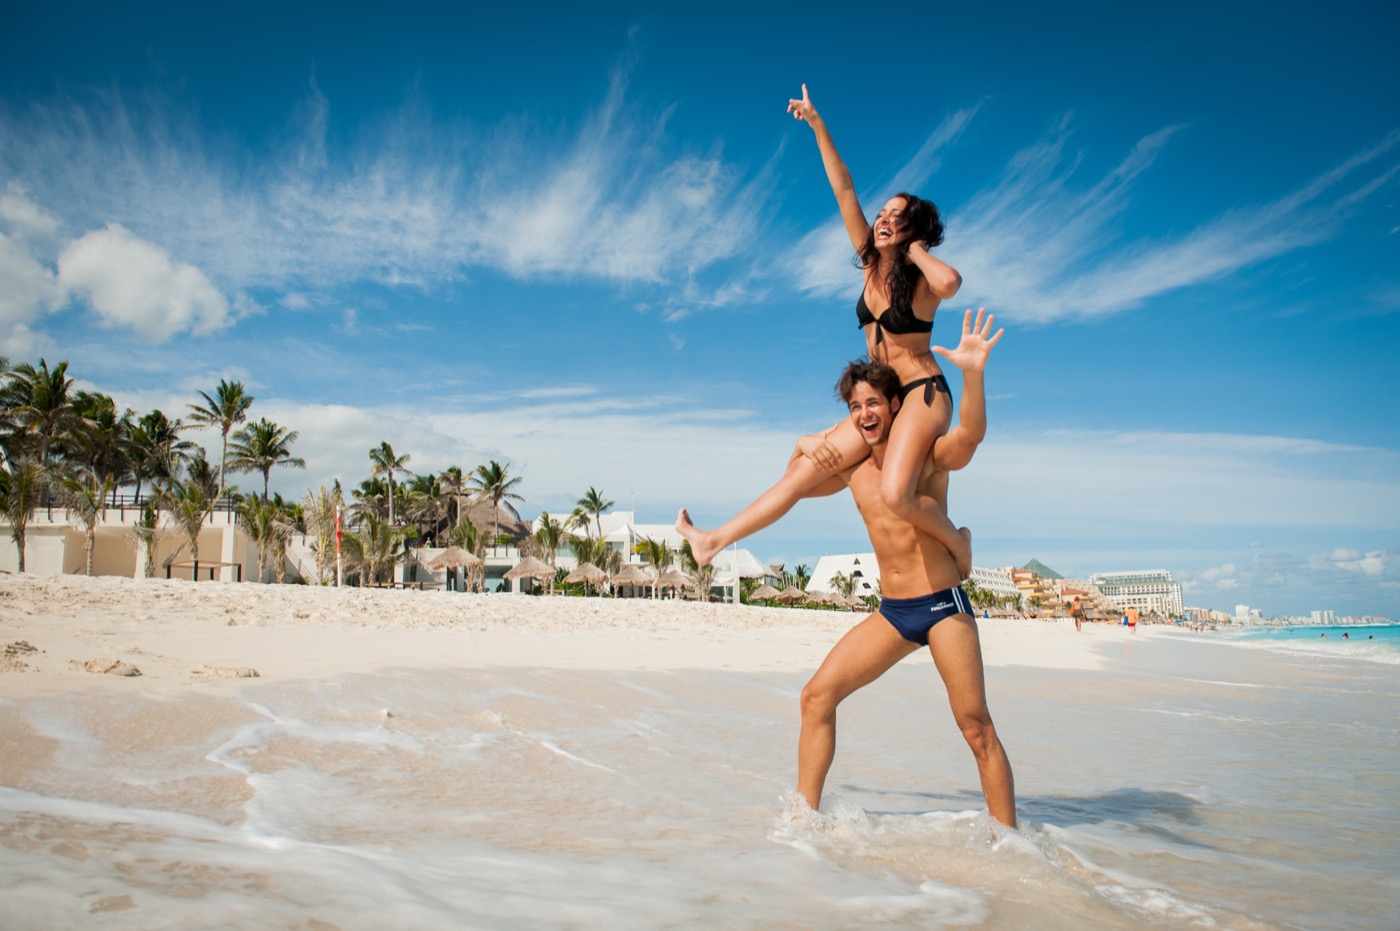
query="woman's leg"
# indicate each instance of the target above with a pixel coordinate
(911, 443)
(863, 655)
(800, 478)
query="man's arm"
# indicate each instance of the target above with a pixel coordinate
(954, 450)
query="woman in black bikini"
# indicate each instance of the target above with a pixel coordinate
(906, 283)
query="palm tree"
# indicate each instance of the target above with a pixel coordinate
(588, 549)
(260, 446)
(550, 536)
(156, 448)
(453, 484)
(201, 470)
(226, 409)
(85, 496)
(594, 503)
(688, 560)
(287, 520)
(259, 518)
(318, 510)
(843, 583)
(101, 441)
(191, 500)
(579, 519)
(40, 403)
(979, 596)
(371, 497)
(388, 464)
(425, 505)
(655, 553)
(468, 537)
(20, 487)
(801, 575)
(493, 483)
(704, 581)
(374, 545)
(146, 529)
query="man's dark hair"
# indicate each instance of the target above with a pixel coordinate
(877, 375)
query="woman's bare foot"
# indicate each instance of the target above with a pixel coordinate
(963, 554)
(702, 544)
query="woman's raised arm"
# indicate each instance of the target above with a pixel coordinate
(836, 171)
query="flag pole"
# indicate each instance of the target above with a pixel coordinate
(339, 563)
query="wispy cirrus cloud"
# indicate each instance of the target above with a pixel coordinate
(416, 203)
(1041, 244)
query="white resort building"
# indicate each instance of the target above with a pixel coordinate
(55, 544)
(997, 581)
(1150, 591)
(860, 567)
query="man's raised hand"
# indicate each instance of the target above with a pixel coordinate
(976, 343)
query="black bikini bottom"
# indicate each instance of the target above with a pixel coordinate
(930, 385)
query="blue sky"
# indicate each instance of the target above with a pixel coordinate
(596, 246)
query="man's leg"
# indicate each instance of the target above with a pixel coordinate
(957, 653)
(859, 658)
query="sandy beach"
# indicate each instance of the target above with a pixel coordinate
(432, 759)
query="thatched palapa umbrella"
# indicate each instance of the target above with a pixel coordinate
(630, 574)
(790, 595)
(531, 568)
(588, 574)
(764, 592)
(671, 577)
(455, 557)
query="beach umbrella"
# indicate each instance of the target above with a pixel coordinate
(671, 577)
(855, 604)
(453, 557)
(588, 574)
(764, 593)
(531, 568)
(630, 574)
(831, 598)
(790, 595)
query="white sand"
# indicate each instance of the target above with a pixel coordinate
(169, 628)
(428, 760)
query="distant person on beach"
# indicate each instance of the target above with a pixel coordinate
(922, 602)
(902, 284)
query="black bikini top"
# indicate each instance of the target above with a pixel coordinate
(895, 319)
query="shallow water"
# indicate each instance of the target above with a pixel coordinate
(1188, 785)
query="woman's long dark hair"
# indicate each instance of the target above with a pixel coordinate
(921, 220)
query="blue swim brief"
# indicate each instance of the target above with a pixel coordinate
(915, 617)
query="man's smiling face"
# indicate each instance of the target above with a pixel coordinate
(871, 412)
